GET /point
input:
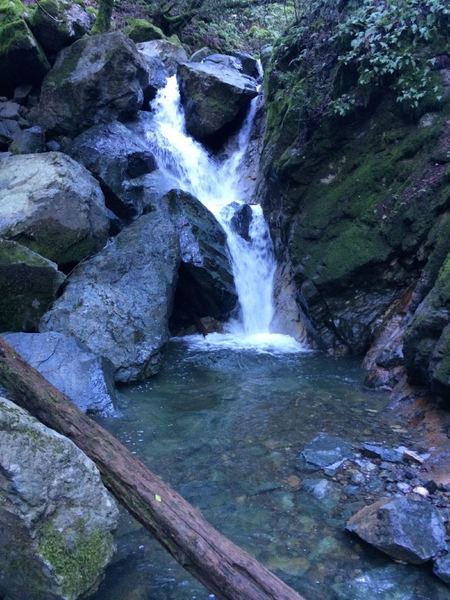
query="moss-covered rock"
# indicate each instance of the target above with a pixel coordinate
(58, 23)
(22, 60)
(141, 30)
(57, 518)
(28, 285)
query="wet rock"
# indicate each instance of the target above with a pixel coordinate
(59, 23)
(118, 303)
(8, 130)
(241, 220)
(403, 528)
(248, 62)
(324, 451)
(200, 54)
(28, 141)
(206, 284)
(116, 157)
(10, 110)
(325, 491)
(51, 204)
(214, 96)
(441, 568)
(85, 378)
(97, 79)
(54, 512)
(377, 451)
(28, 286)
(21, 58)
(162, 59)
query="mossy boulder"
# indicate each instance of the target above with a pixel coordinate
(22, 60)
(95, 80)
(58, 23)
(427, 339)
(28, 286)
(214, 96)
(53, 205)
(141, 30)
(57, 517)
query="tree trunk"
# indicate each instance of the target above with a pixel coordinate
(103, 20)
(225, 569)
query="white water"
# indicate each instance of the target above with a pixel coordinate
(216, 184)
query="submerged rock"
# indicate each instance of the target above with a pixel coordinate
(59, 23)
(85, 378)
(118, 303)
(213, 96)
(55, 514)
(28, 286)
(116, 157)
(324, 451)
(406, 529)
(52, 205)
(95, 80)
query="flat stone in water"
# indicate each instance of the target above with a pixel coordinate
(324, 451)
(378, 451)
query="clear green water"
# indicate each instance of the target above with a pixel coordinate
(224, 428)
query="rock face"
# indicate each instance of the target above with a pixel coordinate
(119, 302)
(214, 95)
(162, 59)
(206, 284)
(55, 514)
(427, 339)
(409, 530)
(345, 201)
(85, 378)
(116, 157)
(21, 57)
(59, 23)
(97, 79)
(52, 205)
(28, 285)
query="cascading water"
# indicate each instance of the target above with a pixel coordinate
(216, 184)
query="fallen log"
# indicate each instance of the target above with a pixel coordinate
(224, 568)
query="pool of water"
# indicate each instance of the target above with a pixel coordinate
(224, 428)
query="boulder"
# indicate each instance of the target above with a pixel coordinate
(52, 205)
(241, 221)
(249, 64)
(427, 338)
(206, 284)
(441, 568)
(83, 377)
(118, 303)
(95, 80)
(162, 59)
(28, 286)
(141, 30)
(201, 54)
(56, 516)
(325, 451)
(405, 529)
(21, 57)
(9, 129)
(59, 23)
(116, 157)
(213, 96)
(28, 141)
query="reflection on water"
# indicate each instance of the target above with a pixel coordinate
(224, 428)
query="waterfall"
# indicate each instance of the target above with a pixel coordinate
(216, 183)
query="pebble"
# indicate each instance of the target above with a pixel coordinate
(404, 487)
(421, 491)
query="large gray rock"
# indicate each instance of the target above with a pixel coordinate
(28, 286)
(406, 529)
(214, 96)
(28, 141)
(59, 23)
(119, 302)
(206, 285)
(56, 517)
(95, 80)
(162, 59)
(53, 205)
(85, 378)
(116, 157)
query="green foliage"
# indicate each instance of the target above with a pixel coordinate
(391, 42)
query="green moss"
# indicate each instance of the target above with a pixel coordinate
(141, 30)
(11, 10)
(77, 562)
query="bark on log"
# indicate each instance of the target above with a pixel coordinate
(224, 568)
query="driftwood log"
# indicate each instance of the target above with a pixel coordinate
(224, 568)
